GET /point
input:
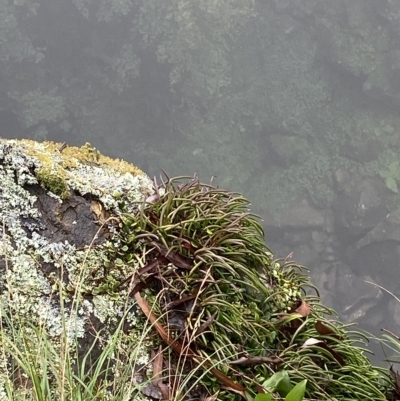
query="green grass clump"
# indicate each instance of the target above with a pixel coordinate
(33, 366)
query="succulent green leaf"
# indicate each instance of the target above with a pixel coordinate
(279, 382)
(298, 391)
(264, 397)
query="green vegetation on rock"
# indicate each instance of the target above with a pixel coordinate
(180, 298)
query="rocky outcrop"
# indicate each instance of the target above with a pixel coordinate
(58, 213)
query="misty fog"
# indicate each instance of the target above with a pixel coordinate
(294, 104)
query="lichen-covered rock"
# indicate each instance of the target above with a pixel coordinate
(59, 213)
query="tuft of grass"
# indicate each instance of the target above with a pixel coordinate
(37, 369)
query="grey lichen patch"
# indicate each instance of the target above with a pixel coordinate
(86, 171)
(64, 291)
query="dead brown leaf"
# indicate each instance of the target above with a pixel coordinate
(304, 309)
(322, 344)
(323, 329)
(101, 214)
(157, 365)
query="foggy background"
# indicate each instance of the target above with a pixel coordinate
(294, 104)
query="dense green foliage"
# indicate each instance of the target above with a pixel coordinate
(233, 317)
(238, 89)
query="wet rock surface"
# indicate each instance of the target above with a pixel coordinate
(73, 220)
(358, 211)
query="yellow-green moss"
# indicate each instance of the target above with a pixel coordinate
(53, 179)
(89, 154)
(54, 164)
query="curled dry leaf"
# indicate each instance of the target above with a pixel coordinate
(322, 344)
(304, 309)
(157, 365)
(101, 214)
(325, 330)
(157, 389)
